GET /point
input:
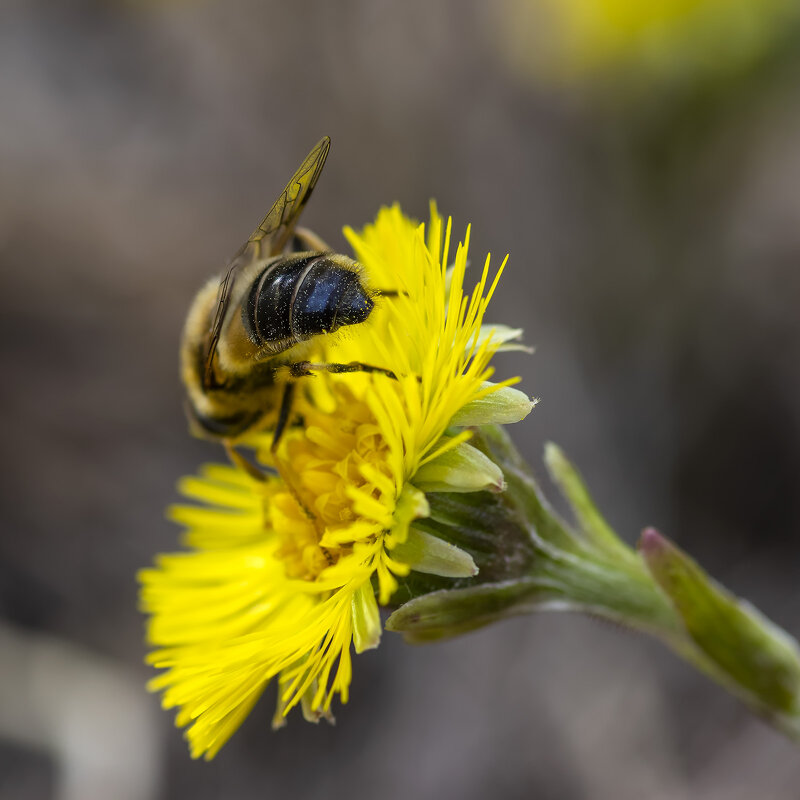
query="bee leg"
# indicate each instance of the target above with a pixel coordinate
(283, 470)
(302, 369)
(283, 415)
(304, 239)
(244, 464)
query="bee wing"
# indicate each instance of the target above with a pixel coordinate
(276, 228)
(274, 232)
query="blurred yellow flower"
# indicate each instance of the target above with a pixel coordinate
(283, 574)
(638, 40)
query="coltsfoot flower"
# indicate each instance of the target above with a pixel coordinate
(284, 576)
(396, 492)
(658, 40)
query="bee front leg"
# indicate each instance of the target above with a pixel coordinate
(302, 369)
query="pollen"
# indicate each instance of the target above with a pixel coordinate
(329, 458)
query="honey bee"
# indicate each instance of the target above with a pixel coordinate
(247, 335)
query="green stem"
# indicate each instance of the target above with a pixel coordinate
(742, 655)
(657, 590)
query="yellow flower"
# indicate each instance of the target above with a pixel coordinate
(283, 575)
(639, 40)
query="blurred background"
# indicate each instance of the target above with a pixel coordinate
(640, 162)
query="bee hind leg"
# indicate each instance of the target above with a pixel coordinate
(283, 470)
(238, 460)
(283, 415)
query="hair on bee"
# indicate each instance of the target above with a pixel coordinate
(248, 335)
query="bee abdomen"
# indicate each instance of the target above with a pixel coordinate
(299, 297)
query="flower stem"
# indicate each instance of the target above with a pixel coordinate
(656, 589)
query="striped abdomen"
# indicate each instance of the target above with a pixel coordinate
(301, 296)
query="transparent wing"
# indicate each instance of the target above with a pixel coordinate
(276, 228)
(274, 231)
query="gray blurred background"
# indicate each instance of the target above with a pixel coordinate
(654, 233)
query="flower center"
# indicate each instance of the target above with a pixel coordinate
(314, 513)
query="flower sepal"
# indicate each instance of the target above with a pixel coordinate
(451, 612)
(433, 556)
(462, 468)
(496, 406)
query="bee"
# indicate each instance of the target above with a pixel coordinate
(248, 334)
